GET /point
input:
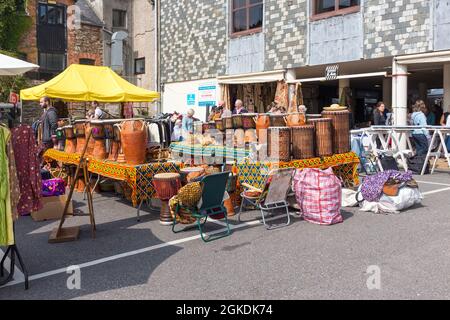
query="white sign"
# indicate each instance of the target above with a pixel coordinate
(207, 94)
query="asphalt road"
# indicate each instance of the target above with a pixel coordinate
(144, 260)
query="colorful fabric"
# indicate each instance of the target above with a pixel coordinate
(345, 166)
(28, 169)
(372, 187)
(139, 178)
(319, 195)
(181, 150)
(13, 181)
(53, 187)
(67, 158)
(6, 221)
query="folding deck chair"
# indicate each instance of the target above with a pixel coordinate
(213, 190)
(277, 187)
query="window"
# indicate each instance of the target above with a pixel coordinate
(89, 62)
(51, 14)
(139, 66)
(329, 8)
(247, 16)
(119, 19)
(52, 61)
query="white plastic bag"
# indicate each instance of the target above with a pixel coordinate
(406, 198)
(349, 198)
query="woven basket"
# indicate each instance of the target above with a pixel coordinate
(190, 194)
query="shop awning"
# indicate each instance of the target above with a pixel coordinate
(348, 76)
(89, 83)
(11, 66)
(431, 57)
(260, 77)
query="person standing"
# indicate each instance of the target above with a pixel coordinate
(421, 137)
(49, 123)
(379, 116)
(98, 112)
(239, 107)
(445, 121)
(177, 131)
(187, 124)
(431, 118)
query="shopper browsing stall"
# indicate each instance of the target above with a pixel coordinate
(239, 107)
(188, 122)
(421, 137)
(177, 131)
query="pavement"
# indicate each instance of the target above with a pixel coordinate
(145, 260)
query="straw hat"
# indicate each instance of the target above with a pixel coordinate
(335, 107)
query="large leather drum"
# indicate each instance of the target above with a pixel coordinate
(71, 140)
(340, 122)
(99, 136)
(303, 142)
(227, 122)
(278, 144)
(323, 136)
(133, 137)
(237, 121)
(262, 124)
(277, 120)
(249, 120)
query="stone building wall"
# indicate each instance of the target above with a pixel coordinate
(85, 43)
(397, 27)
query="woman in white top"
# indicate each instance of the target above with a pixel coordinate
(445, 121)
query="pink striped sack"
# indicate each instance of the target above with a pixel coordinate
(319, 195)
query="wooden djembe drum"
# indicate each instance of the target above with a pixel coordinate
(323, 136)
(166, 186)
(80, 134)
(340, 122)
(278, 144)
(99, 136)
(303, 142)
(91, 144)
(71, 139)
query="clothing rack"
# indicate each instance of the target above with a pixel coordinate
(13, 251)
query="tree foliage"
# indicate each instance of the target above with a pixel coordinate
(13, 23)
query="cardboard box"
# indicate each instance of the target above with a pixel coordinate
(53, 208)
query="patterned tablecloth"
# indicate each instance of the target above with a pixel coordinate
(182, 150)
(139, 178)
(344, 166)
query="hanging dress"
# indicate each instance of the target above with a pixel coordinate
(6, 221)
(28, 169)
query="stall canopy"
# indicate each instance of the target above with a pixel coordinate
(11, 66)
(89, 83)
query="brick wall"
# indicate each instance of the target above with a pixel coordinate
(395, 27)
(85, 43)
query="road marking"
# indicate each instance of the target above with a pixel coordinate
(435, 183)
(132, 253)
(436, 191)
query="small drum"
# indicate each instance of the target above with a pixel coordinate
(99, 136)
(219, 125)
(116, 131)
(262, 124)
(277, 120)
(208, 126)
(303, 142)
(98, 130)
(79, 129)
(237, 121)
(71, 140)
(166, 186)
(227, 123)
(340, 121)
(109, 131)
(190, 173)
(91, 144)
(249, 120)
(324, 137)
(278, 144)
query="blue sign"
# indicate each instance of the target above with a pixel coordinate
(191, 99)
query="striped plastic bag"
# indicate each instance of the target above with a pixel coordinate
(319, 195)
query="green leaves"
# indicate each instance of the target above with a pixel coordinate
(13, 23)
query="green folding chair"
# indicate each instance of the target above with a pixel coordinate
(213, 190)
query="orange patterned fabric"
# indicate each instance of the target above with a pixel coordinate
(139, 178)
